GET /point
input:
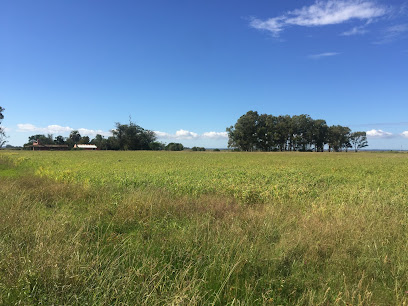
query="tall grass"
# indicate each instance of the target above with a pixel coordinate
(68, 243)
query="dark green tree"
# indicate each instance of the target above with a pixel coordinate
(100, 142)
(300, 136)
(75, 136)
(133, 137)
(198, 149)
(254, 132)
(112, 143)
(319, 131)
(265, 130)
(283, 132)
(84, 140)
(358, 140)
(243, 134)
(69, 142)
(157, 146)
(59, 140)
(41, 139)
(172, 146)
(2, 133)
(338, 138)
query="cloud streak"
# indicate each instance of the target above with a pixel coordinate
(392, 33)
(187, 135)
(355, 31)
(57, 129)
(320, 55)
(376, 124)
(321, 13)
(404, 134)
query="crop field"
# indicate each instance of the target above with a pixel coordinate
(217, 228)
(248, 177)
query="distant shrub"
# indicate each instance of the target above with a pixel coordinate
(198, 149)
(173, 146)
(157, 146)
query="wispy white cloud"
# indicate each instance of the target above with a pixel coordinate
(321, 13)
(377, 124)
(355, 31)
(187, 135)
(320, 55)
(57, 129)
(392, 33)
(273, 25)
(379, 134)
(404, 134)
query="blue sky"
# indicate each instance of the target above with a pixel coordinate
(189, 69)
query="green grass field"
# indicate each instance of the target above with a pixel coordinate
(203, 228)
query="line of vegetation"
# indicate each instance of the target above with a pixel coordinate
(251, 132)
(254, 132)
(124, 137)
(2, 133)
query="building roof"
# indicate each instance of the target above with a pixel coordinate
(46, 146)
(86, 146)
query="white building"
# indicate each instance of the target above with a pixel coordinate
(85, 146)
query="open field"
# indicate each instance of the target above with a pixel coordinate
(203, 228)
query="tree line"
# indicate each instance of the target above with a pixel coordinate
(2, 134)
(124, 137)
(255, 132)
(251, 132)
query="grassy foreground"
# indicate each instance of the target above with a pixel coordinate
(203, 228)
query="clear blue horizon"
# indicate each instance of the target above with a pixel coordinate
(189, 70)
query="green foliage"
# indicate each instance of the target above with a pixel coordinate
(157, 146)
(124, 137)
(173, 146)
(75, 136)
(244, 134)
(132, 137)
(59, 140)
(358, 140)
(41, 139)
(197, 149)
(84, 140)
(69, 142)
(112, 143)
(100, 142)
(339, 138)
(2, 134)
(254, 132)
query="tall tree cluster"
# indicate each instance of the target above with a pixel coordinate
(255, 132)
(132, 137)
